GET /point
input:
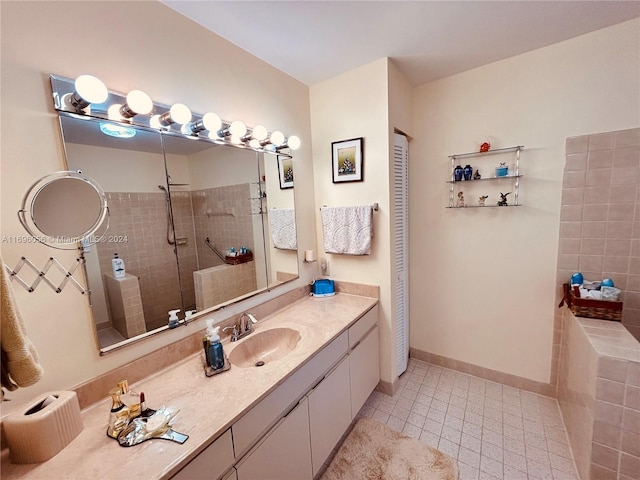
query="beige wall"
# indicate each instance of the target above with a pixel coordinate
(353, 105)
(72, 38)
(482, 281)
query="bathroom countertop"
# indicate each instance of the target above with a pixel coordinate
(208, 405)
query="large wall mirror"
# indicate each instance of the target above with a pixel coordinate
(177, 207)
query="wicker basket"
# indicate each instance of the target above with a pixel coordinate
(590, 308)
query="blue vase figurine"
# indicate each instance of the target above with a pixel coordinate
(457, 173)
(468, 172)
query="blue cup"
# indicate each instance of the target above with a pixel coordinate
(607, 282)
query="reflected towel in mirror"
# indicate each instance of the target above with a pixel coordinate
(282, 223)
(347, 230)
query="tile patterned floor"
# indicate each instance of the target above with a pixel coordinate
(493, 430)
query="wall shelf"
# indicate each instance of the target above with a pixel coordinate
(512, 179)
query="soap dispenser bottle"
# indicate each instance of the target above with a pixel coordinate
(118, 266)
(173, 318)
(118, 415)
(216, 353)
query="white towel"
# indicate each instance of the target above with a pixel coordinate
(282, 222)
(347, 230)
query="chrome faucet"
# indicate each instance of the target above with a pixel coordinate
(244, 328)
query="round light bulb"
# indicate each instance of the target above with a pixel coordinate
(154, 122)
(237, 129)
(213, 136)
(180, 113)
(211, 122)
(254, 143)
(277, 138)
(113, 112)
(236, 139)
(259, 132)
(91, 89)
(294, 142)
(139, 102)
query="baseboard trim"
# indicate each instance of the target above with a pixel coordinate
(546, 389)
(388, 387)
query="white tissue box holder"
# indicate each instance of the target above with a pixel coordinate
(36, 434)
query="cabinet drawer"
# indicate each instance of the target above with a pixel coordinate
(212, 462)
(362, 326)
(265, 414)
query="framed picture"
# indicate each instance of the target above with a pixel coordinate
(347, 160)
(285, 171)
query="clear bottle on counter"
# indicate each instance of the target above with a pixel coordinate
(118, 415)
(130, 399)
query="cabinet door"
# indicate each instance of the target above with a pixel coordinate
(284, 453)
(211, 463)
(231, 475)
(329, 413)
(364, 364)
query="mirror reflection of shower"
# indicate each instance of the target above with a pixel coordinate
(171, 238)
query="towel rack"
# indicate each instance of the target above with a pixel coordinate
(42, 274)
(375, 207)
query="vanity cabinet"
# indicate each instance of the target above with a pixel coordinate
(268, 411)
(231, 475)
(291, 432)
(329, 413)
(214, 461)
(284, 453)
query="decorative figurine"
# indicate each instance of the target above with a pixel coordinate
(460, 199)
(468, 172)
(457, 173)
(482, 199)
(502, 170)
(503, 199)
(485, 147)
(477, 176)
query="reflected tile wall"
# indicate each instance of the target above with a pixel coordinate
(224, 215)
(138, 233)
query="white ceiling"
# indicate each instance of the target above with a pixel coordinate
(316, 40)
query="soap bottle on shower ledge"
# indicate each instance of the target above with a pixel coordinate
(118, 266)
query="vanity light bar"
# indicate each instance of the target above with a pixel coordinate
(87, 95)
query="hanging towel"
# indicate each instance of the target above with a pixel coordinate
(282, 222)
(20, 367)
(347, 230)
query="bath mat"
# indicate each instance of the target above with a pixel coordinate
(373, 451)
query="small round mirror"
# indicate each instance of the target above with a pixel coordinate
(65, 208)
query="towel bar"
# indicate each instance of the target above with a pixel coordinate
(374, 207)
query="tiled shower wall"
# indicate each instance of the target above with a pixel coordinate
(138, 233)
(224, 215)
(600, 217)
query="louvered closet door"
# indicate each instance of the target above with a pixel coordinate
(401, 248)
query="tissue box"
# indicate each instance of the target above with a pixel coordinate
(323, 288)
(44, 427)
